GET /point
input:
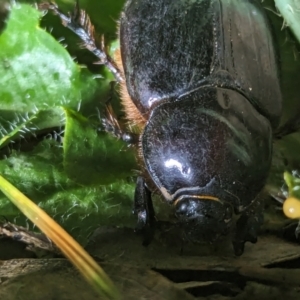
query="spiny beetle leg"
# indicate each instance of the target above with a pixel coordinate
(79, 22)
(112, 126)
(143, 209)
(247, 226)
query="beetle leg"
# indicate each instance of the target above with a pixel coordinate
(112, 126)
(79, 22)
(247, 226)
(143, 208)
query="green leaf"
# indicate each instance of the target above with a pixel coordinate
(41, 176)
(290, 10)
(293, 183)
(91, 158)
(37, 74)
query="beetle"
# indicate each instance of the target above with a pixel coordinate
(199, 84)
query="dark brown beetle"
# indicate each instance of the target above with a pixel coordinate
(200, 86)
(203, 77)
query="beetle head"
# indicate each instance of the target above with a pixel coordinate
(204, 219)
(209, 153)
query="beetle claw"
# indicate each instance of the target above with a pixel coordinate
(145, 227)
(247, 228)
(239, 245)
(147, 233)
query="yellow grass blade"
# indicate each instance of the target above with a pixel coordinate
(71, 249)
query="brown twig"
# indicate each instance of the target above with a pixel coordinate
(35, 241)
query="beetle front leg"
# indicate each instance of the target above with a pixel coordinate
(143, 209)
(248, 225)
